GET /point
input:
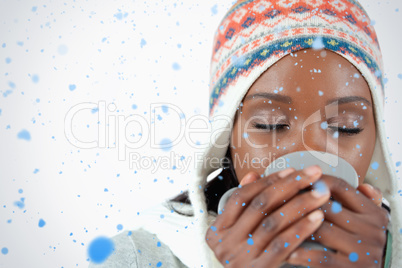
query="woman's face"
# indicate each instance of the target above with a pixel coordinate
(309, 100)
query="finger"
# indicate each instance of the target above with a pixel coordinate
(273, 197)
(286, 242)
(335, 238)
(289, 213)
(344, 193)
(318, 258)
(212, 236)
(354, 222)
(234, 206)
(374, 194)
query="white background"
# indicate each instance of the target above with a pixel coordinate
(97, 46)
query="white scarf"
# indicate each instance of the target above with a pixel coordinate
(177, 231)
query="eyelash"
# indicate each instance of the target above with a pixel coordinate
(279, 127)
(270, 127)
(347, 131)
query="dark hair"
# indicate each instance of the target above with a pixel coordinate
(215, 188)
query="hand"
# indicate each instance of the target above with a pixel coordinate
(372, 193)
(354, 226)
(266, 219)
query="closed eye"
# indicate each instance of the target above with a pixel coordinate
(270, 127)
(347, 131)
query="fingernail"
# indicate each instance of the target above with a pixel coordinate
(315, 216)
(377, 189)
(247, 176)
(282, 174)
(320, 189)
(293, 255)
(241, 184)
(312, 170)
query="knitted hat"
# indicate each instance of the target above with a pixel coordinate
(253, 36)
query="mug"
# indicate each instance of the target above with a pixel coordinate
(329, 163)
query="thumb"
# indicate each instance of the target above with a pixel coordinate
(373, 193)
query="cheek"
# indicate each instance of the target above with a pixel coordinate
(238, 151)
(359, 152)
(245, 157)
(246, 153)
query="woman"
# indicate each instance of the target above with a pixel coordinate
(286, 76)
(280, 118)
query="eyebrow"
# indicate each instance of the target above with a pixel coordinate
(343, 100)
(265, 95)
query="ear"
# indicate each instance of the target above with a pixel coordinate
(249, 178)
(374, 194)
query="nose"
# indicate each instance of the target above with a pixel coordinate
(313, 138)
(313, 135)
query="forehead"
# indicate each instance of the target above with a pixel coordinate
(312, 75)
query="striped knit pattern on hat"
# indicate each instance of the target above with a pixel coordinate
(254, 32)
(253, 36)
